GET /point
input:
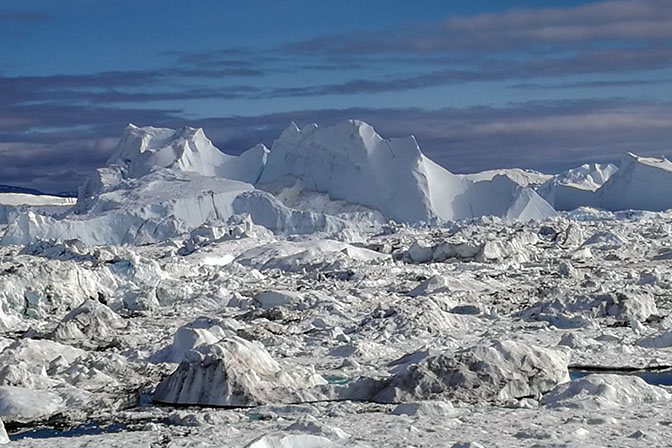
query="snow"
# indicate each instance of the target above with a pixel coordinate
(576, 187)
(491, 371)
(292, 441)
(38, 353)
(660, 340)
(3, 433)
(185, 340)
(426, 408)
(524, 178)
(12, 204)
(235, 372)
(292, 312)
(641, 183)
(351, 162)
(161, 183)
(595, 392)
(142, 151)
(19, 403)
(91, 322)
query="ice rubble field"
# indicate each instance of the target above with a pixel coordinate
(339, 289)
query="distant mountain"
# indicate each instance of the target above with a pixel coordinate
(12, 189)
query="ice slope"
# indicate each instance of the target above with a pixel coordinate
(576, 187)
(351, 162)
(641, 183)
(161, 183)
(143, 151)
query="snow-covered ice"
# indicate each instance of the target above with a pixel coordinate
(339, 289)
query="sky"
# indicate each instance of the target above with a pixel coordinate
(545, 85)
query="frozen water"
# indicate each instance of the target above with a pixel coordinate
(340, 289)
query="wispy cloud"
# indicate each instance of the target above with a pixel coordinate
(510, 30)
(591, 84)
(608, 37)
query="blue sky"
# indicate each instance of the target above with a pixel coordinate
(482, 84)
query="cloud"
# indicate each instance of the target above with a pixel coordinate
(54, 129)
(615, 60)
(134, 86)
(621, 20)
(591, 84)
(232, 62)
(548, 136)
(24, 89)
(607, 20)
(509, 46)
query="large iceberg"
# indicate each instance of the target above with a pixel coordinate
(576, 187)
(143, 150)
(350, 161)
(163, 183)
(641, 183)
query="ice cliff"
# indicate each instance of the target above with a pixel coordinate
(641, 183)
(350, 161)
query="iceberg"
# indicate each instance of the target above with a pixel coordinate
(164, 183)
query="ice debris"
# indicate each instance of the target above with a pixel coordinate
(488, 371)
(235, 372)
(280, 440)
(599, 391)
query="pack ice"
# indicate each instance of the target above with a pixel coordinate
(338, 290)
